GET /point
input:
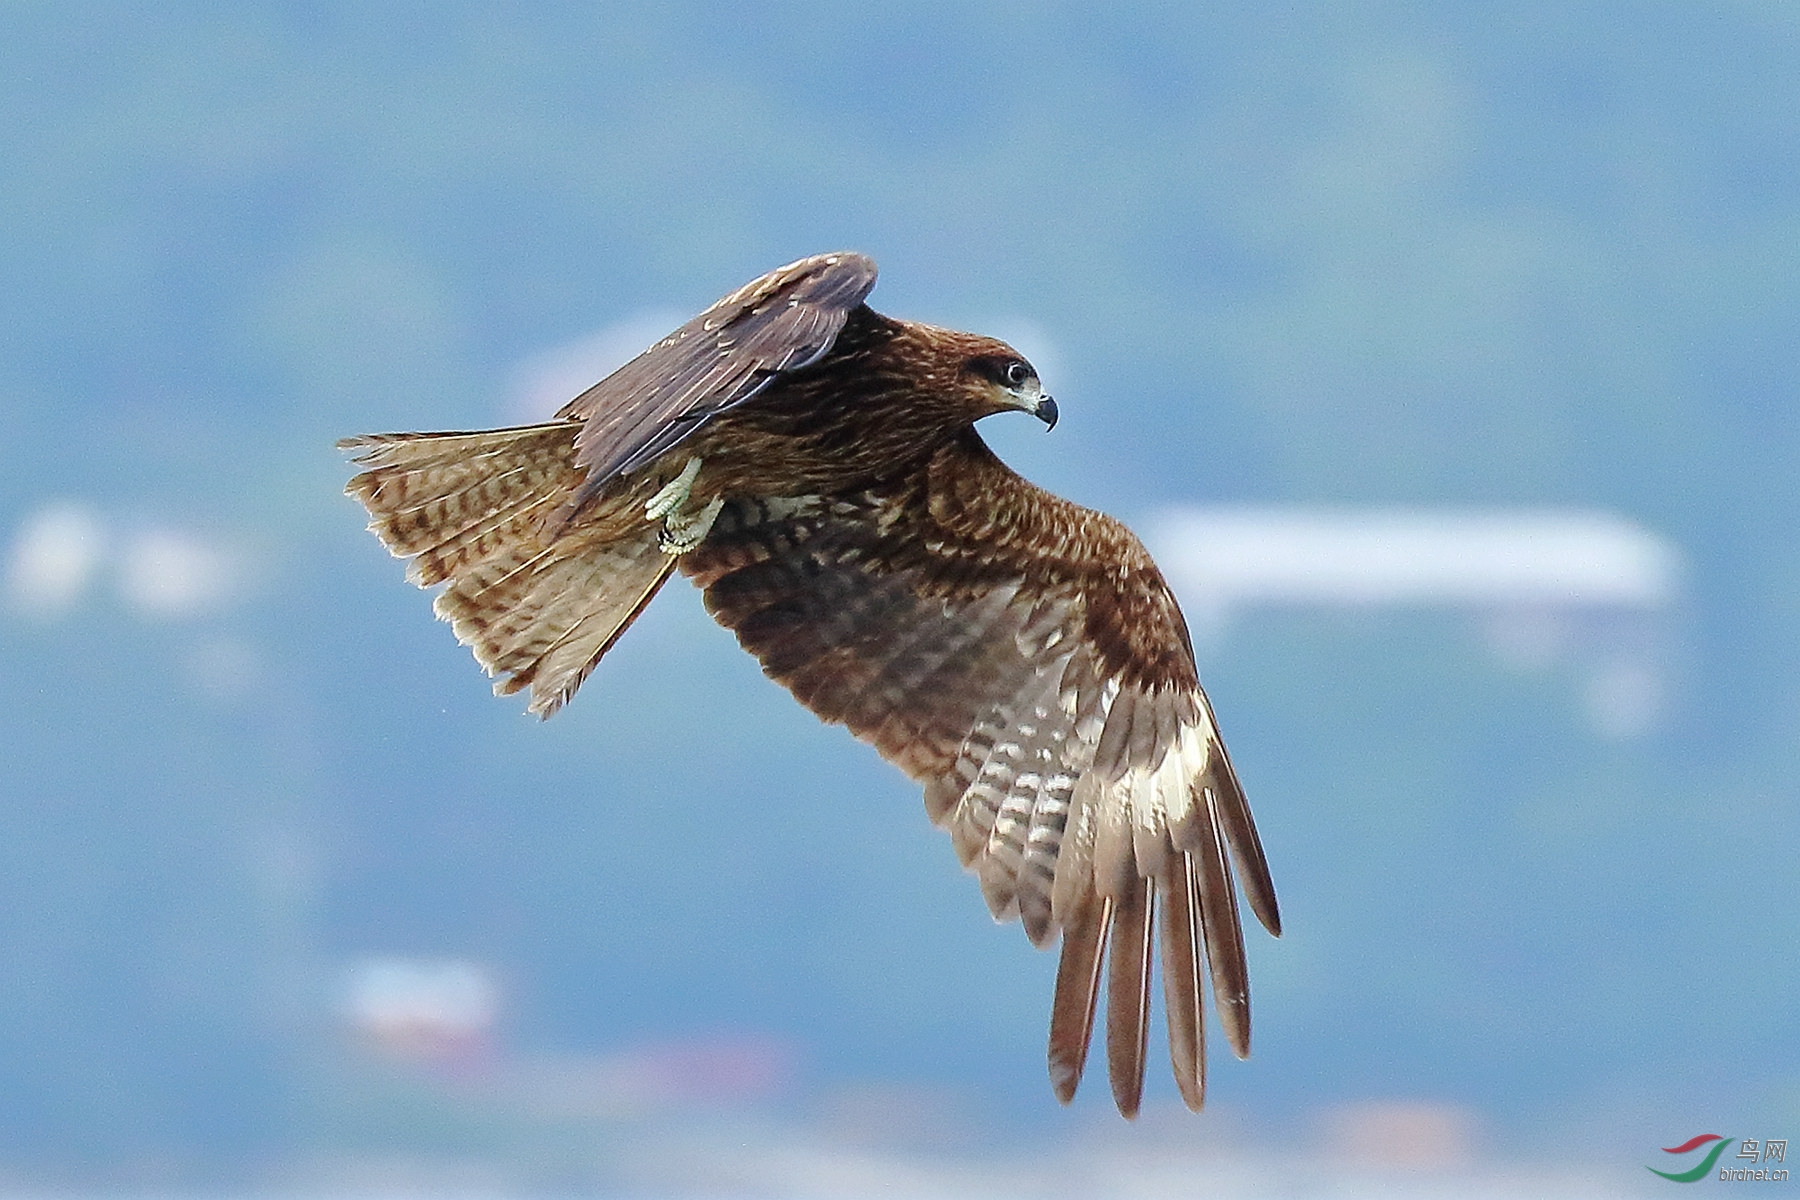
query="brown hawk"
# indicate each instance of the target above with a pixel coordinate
(814, 467)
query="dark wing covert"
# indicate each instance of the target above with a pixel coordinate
(786, 320)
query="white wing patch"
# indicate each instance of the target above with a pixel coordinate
(1031, 816)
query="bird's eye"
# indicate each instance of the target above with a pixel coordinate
(1017, 373)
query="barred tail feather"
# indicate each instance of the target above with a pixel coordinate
(537, 602)
(550, 614)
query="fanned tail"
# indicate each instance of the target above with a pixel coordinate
(537, 602)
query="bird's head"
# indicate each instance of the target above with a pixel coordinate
(1002, 381)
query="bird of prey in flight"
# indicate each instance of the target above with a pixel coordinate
(813, 466)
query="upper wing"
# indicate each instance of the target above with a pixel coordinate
(783, 321)
(1023, 658)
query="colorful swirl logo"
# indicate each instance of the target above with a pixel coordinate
(1706, 1164)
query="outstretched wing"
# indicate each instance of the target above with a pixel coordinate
(783, 321)
(1022, 658)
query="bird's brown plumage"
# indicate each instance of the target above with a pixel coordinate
(1018, 655)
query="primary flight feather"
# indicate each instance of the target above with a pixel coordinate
(814, 467)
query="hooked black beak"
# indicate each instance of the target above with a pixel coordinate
(1046, 412)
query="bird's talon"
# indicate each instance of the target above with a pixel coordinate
(674, 493)
(681, 534)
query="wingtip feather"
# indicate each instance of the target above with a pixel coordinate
(1182, 994)
(1224, 933)
(1128, 998)
(1077, 993)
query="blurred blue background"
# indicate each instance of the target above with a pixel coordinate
(287, 897)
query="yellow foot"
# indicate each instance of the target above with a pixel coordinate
(674, 493)
(681, 534)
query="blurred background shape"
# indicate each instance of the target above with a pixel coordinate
(422, 1008)
(1227, 558)
(1542, 588)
